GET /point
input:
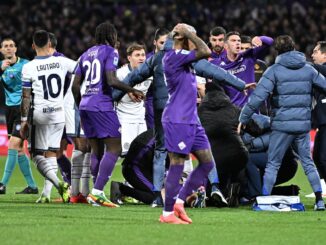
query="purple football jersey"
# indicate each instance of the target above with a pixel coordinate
(92, 65)
(182, 87)
(57, 54)
(243, 67)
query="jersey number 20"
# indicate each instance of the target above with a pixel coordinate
(93, 71)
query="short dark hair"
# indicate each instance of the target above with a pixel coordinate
(133, 47)
(40, 38)
(322, 46)
(106, 32)
(7, 39)
(246, 39)
(231, 33)
(53, 40)
(160, 32)
(284, 43)
(218, 30)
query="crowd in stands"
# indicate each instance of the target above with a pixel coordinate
(74, 22)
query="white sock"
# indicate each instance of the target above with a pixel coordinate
(46, 166)
(165, 213)
(86, 174)
(76, 171)
(188, 167)
(179, 201)
(47, 188)
(97, 192)
(323, 186)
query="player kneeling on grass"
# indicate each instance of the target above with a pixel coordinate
(183, 132)
(44, 78)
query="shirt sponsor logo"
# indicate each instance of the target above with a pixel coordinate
(236, 70)
(51, 109)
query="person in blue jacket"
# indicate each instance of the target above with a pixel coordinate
(289, 81)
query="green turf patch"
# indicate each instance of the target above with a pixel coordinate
(24, 222)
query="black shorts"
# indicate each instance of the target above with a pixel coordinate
(13, 120)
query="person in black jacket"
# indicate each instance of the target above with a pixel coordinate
(319, 113)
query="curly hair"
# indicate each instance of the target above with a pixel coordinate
(106, 33)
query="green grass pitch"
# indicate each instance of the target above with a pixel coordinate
(24, 222)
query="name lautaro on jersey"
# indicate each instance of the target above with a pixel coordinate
(48, 66)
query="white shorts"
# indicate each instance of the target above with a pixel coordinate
(129, 131)
(73, 127)
(46, 137)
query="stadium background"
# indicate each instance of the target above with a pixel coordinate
(74, 22)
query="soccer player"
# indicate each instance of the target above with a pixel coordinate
(79, 170)
(43, 80)
(132, 114)
(241, 64)
(97, 68)
(216, 41)
(183, 132)
(10, 76)
(260, 66)
(290, 82)
(153, 67)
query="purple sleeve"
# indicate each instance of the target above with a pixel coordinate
(184, 57)
(112, 61)
(260, 52)
(78, 69)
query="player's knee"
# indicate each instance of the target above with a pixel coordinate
(15, 143)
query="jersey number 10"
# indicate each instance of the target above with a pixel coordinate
(48, 85)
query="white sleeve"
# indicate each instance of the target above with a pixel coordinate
(69, 64)
(26, 76)
(200, 80)
(122, 72)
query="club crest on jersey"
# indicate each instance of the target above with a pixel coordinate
(182, 145)
(115, 61)
(183, 51)
(18, 127)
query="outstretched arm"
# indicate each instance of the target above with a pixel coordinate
(208, 70)
(114, 82)
(138, 75)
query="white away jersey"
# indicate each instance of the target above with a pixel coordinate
(127, 110)
(46, 76)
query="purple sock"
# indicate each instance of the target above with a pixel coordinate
(172, 186)
(195, 179)
(95, 163)
(106, 167)
(65, 168)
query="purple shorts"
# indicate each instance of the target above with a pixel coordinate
(185, 138)
(100, 124)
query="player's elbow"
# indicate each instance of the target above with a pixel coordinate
(203, 53)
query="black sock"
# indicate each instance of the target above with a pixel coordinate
(318, 196)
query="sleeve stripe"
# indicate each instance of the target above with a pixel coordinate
(27, 84)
